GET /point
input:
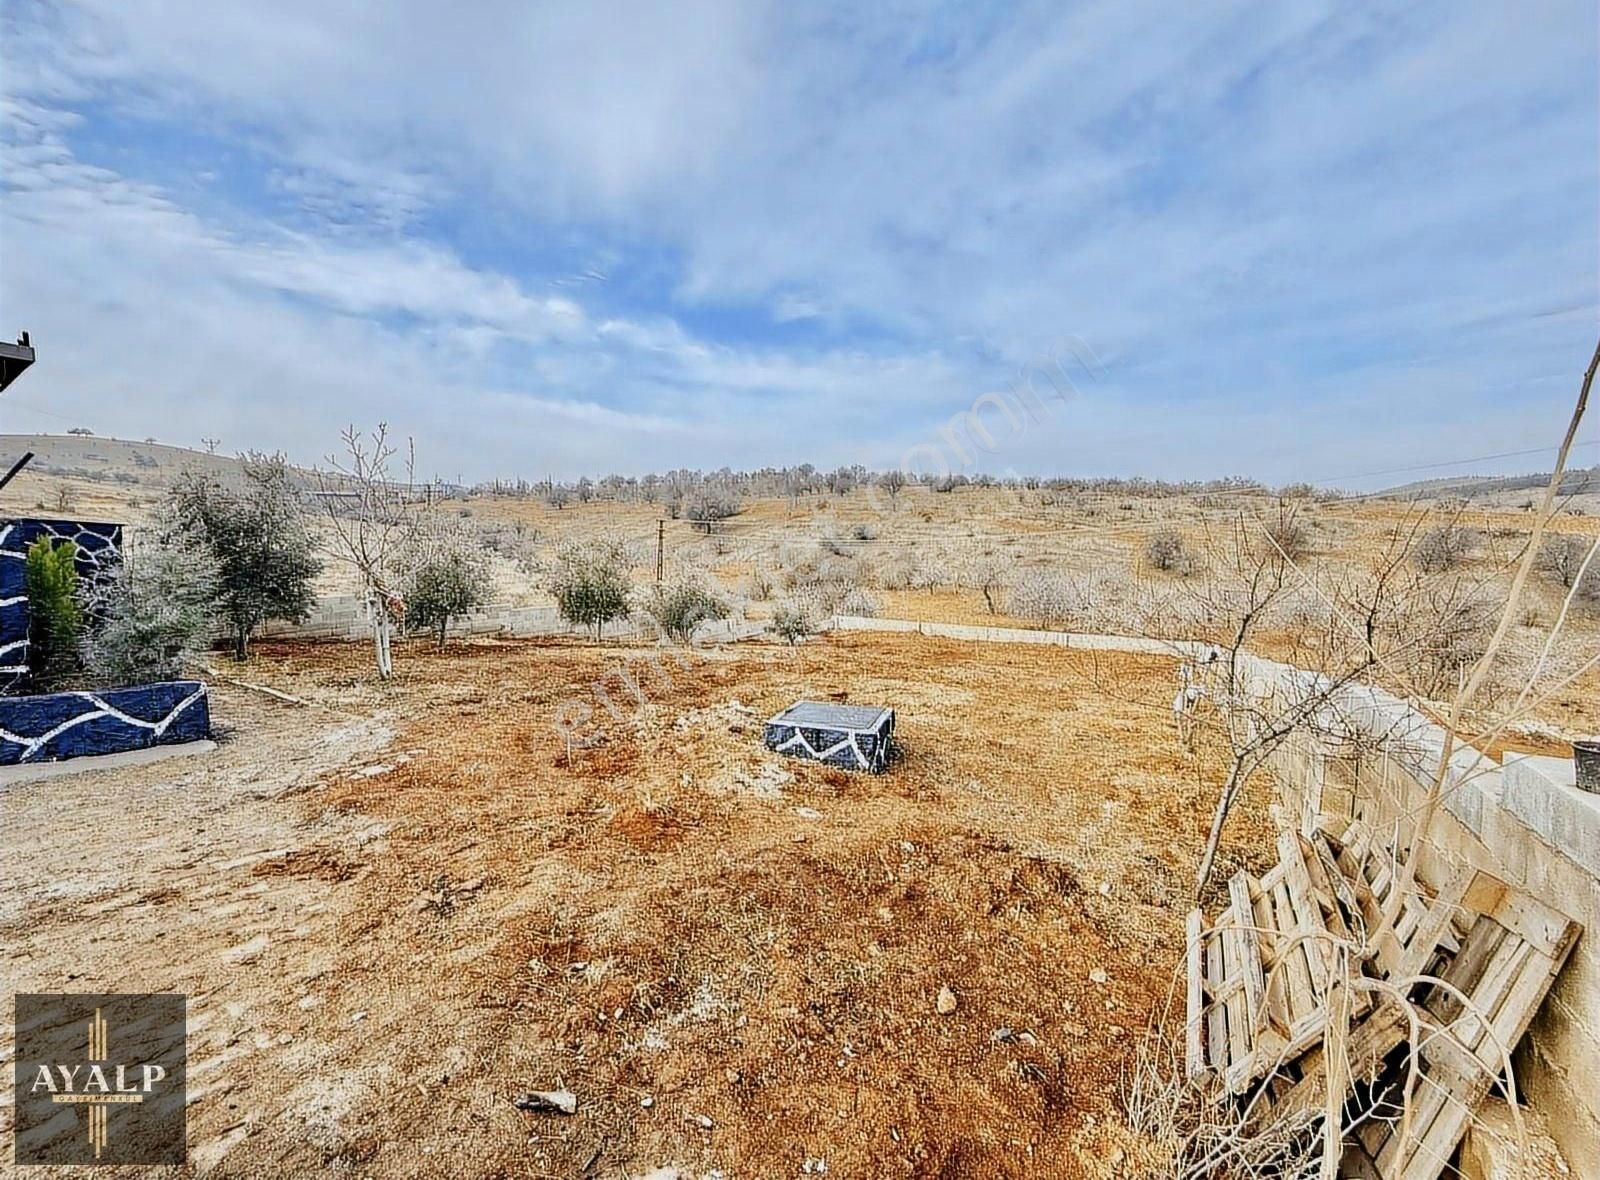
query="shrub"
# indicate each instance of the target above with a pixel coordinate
(759, 585)
(986, 574)
(55, 620)
(1562, 557)
(677, 610)
(1286, 536)
(1443, 548)
(446, 586)
(155, 613)
(897, 572)
(1458, 627)
(1165, 551)
(1044, 598)
(790, 624)
(856, 601)
(590, 584)
(257, 536)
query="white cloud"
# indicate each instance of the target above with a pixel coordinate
(1342, 227)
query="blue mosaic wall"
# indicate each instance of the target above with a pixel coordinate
(99, 552)
(73, 724)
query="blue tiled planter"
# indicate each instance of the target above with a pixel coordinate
(74, 724)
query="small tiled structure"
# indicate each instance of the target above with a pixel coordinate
(856, 737)
(72, 724)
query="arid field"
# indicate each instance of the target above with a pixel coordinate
(398, 906)
(395, 909)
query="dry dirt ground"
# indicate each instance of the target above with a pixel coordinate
(402, 906)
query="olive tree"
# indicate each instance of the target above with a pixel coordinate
(154, 613)
(445, 585)
(257, 537)
(590, 583)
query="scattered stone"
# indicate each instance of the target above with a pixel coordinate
(946, 1003)
(246, 952)
(808, 813)
(703, 1121)
(814, 1167)
(1098, 975)
(647, 1102)
(357, 1017)
(1002, 1036)
(547, 1102)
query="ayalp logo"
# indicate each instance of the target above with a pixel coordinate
(100, 1079)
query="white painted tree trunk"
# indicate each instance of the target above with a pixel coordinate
(378, 617)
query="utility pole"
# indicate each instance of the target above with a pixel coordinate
(661, 545)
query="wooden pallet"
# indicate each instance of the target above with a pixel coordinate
(1512, 950)
(1421, 938)
(1258, 975)
(1260, 972)
(1423, 928)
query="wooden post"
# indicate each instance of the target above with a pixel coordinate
(661, 542)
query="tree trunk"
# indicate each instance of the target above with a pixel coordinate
(241, 642)
(378, 615)
(1214, 838)
(443, 623)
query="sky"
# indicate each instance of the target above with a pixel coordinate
(1288, 240)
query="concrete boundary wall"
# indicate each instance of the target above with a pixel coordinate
(344, 617)
(1081, 641)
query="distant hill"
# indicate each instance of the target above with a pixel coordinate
(1472, 487)
(109, 460)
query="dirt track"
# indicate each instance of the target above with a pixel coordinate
(394, 917)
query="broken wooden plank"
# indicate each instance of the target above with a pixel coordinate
(1196, 993)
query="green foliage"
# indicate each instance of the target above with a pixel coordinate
(679, 609)
(590, 584)
(155, 613)
(55, 620)
(256, 533)
(446, 586)
(789, 623)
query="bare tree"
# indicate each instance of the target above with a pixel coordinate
(374, 518)
(1349, 624)
(894, 483)
(987, 574)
